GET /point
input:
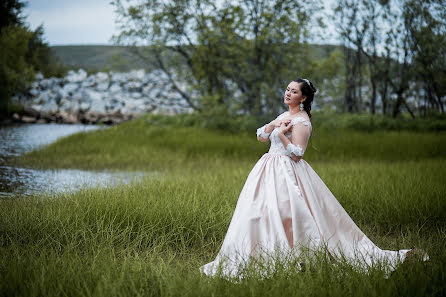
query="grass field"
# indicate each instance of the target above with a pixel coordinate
(150, 237)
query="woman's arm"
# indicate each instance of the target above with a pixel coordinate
(264, 131)
(299, 139)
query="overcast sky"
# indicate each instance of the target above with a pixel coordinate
(78, 21)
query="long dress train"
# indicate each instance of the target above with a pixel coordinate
(284, 204)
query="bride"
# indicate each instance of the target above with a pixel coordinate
(284, 205)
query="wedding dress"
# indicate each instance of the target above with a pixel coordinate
(284, 205)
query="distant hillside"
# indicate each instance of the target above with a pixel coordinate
(119, 58)
(97, 57)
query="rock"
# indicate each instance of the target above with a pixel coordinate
(90, 117)
(102, 86)
(50, 107)
(34, 92)
(46, 83)
(97, 106)
(135, 95)
(68, 105)
(84, 106)
(133, 86)
(137, 75)
(39, 76)
(71, 119)
(46, 96)
(101, 77)
(76, 77)
(33, 110)
(70, 88)
(119, 77)
(16, 117)
(28, 119)
(90, 95)
(89, 82)
(106, 97)
(115, 88)
(63, 93)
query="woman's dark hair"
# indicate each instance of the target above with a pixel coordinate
(307, 88)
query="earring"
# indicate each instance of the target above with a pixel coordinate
(301, 106)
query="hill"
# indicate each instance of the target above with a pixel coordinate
(120, 58)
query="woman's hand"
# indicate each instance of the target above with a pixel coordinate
(285, 126)
(275, 123)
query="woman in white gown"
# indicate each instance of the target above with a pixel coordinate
(284, 205)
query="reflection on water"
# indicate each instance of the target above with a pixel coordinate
(25, 181)
(21, 138)
(18, 139)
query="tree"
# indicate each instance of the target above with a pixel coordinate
(10, 13)
(23, 52)
(426, 23)
(404, 43)
(235, 57)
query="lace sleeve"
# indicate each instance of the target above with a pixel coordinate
(294, 149)
(261, 132)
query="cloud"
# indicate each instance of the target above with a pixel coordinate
(73, 22)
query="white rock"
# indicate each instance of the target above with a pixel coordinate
(37, 108)
(68, 106)
(84, 106)
(39, 76)
(90, 81)
(115, 88)
(133, 86)
(103, 86)
(70, 88)
(34, 92)
(63, 93)
(97, 106)
(78, 76)
(78, 96)
(46, 96)
(137, 74)
(119, 77)
(101, 76)
(50, 106)
(90, 95)
(135, 95)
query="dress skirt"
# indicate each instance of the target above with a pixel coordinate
(284, 205)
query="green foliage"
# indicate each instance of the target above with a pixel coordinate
(15, 71)
(396, 50)
(236, 55)
(149, 238)
(10, 13)
(23, 53)
(160, 142)
(368, 122)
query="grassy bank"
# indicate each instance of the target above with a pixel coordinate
(149, 238)
(142, 145)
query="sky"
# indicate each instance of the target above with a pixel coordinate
(72, 22)
(79, 22)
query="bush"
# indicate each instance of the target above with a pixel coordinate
(15, 72)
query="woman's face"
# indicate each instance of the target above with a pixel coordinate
(293, 95)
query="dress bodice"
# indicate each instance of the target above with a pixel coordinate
(276, 144)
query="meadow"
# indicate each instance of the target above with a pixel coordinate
(150, 237)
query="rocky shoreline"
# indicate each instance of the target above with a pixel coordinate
(107, 98)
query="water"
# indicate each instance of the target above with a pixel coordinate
(19, 139)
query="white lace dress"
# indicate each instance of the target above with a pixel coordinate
(284, 206)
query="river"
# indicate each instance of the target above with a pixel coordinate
(18, 181)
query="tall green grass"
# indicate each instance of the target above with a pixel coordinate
(141, 145)
(150, 237)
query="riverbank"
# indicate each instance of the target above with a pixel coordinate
(150, 237)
